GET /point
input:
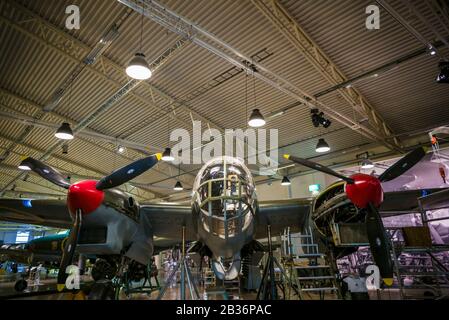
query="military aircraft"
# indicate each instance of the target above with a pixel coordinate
(46, 250)
(354, 203)
(224, 216)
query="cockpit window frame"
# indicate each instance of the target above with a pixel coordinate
(244, 200)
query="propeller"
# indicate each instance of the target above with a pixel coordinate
(397, 169)
(127, 173)
(69, 249)
(46, 172)
(403, 165)
(366, 193)
(85, 196)
(318, 167)
(379, 244)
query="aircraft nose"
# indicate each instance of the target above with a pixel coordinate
(85, 196)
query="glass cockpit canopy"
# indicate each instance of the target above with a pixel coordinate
(224, 192)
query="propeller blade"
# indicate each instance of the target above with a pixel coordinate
(69, 250)
(46, 172)
(128, 172)
(379, 244)
(404, 164)
(318, 167)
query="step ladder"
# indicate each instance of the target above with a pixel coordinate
(232, 288)
(309, 272)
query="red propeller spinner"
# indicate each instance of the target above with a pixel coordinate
(85, 196)
(365, 189)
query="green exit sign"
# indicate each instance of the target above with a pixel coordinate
(314, 187)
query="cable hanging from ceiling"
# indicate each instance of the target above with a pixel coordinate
(138, 68)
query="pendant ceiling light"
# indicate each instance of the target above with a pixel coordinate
(367, 164)
(178, 186)
(64, 132)
(285, 181)
(322, 146)
(138, 67)
(256, 119)
(167, 155)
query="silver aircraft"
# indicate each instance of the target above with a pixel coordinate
(223, 220)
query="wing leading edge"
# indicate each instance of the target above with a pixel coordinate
(51, 213)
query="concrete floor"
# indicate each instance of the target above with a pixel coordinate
(38, 292)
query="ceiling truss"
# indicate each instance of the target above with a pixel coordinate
(292, 31)
(189, 30)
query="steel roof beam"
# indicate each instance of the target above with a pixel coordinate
(77, 49)
(189, 30)
(85, 171)
(84, 135)
(411, 29)
(292, 31)
(61, 48)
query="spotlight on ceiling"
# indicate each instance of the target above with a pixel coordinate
(322, 146)
(65, 149)
(138, 68)
(432, 51)
(178, 186)
(318, 119)
(367, 164)
(121, 149)
(167, 155)
(64, 132)
(256, 119)
(285, 181)
(443, 76)
(24, 165)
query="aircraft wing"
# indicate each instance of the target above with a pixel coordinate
(281, 214)
(403, 202)
(167, 221)
(51, 213)
(14, 252)
(161, 244)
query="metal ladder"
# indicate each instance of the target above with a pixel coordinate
(420, 263)
(308, 269)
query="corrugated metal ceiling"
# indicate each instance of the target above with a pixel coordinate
(406, 97)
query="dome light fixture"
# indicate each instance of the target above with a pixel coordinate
(167, 155)
(256, 119)
(322, 146)
(64, 132)
(285, 181)
(121, 149)
(178, 186)
(367, 164)
(138, 68)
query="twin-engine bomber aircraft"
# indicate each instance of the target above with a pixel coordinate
(225, 217)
